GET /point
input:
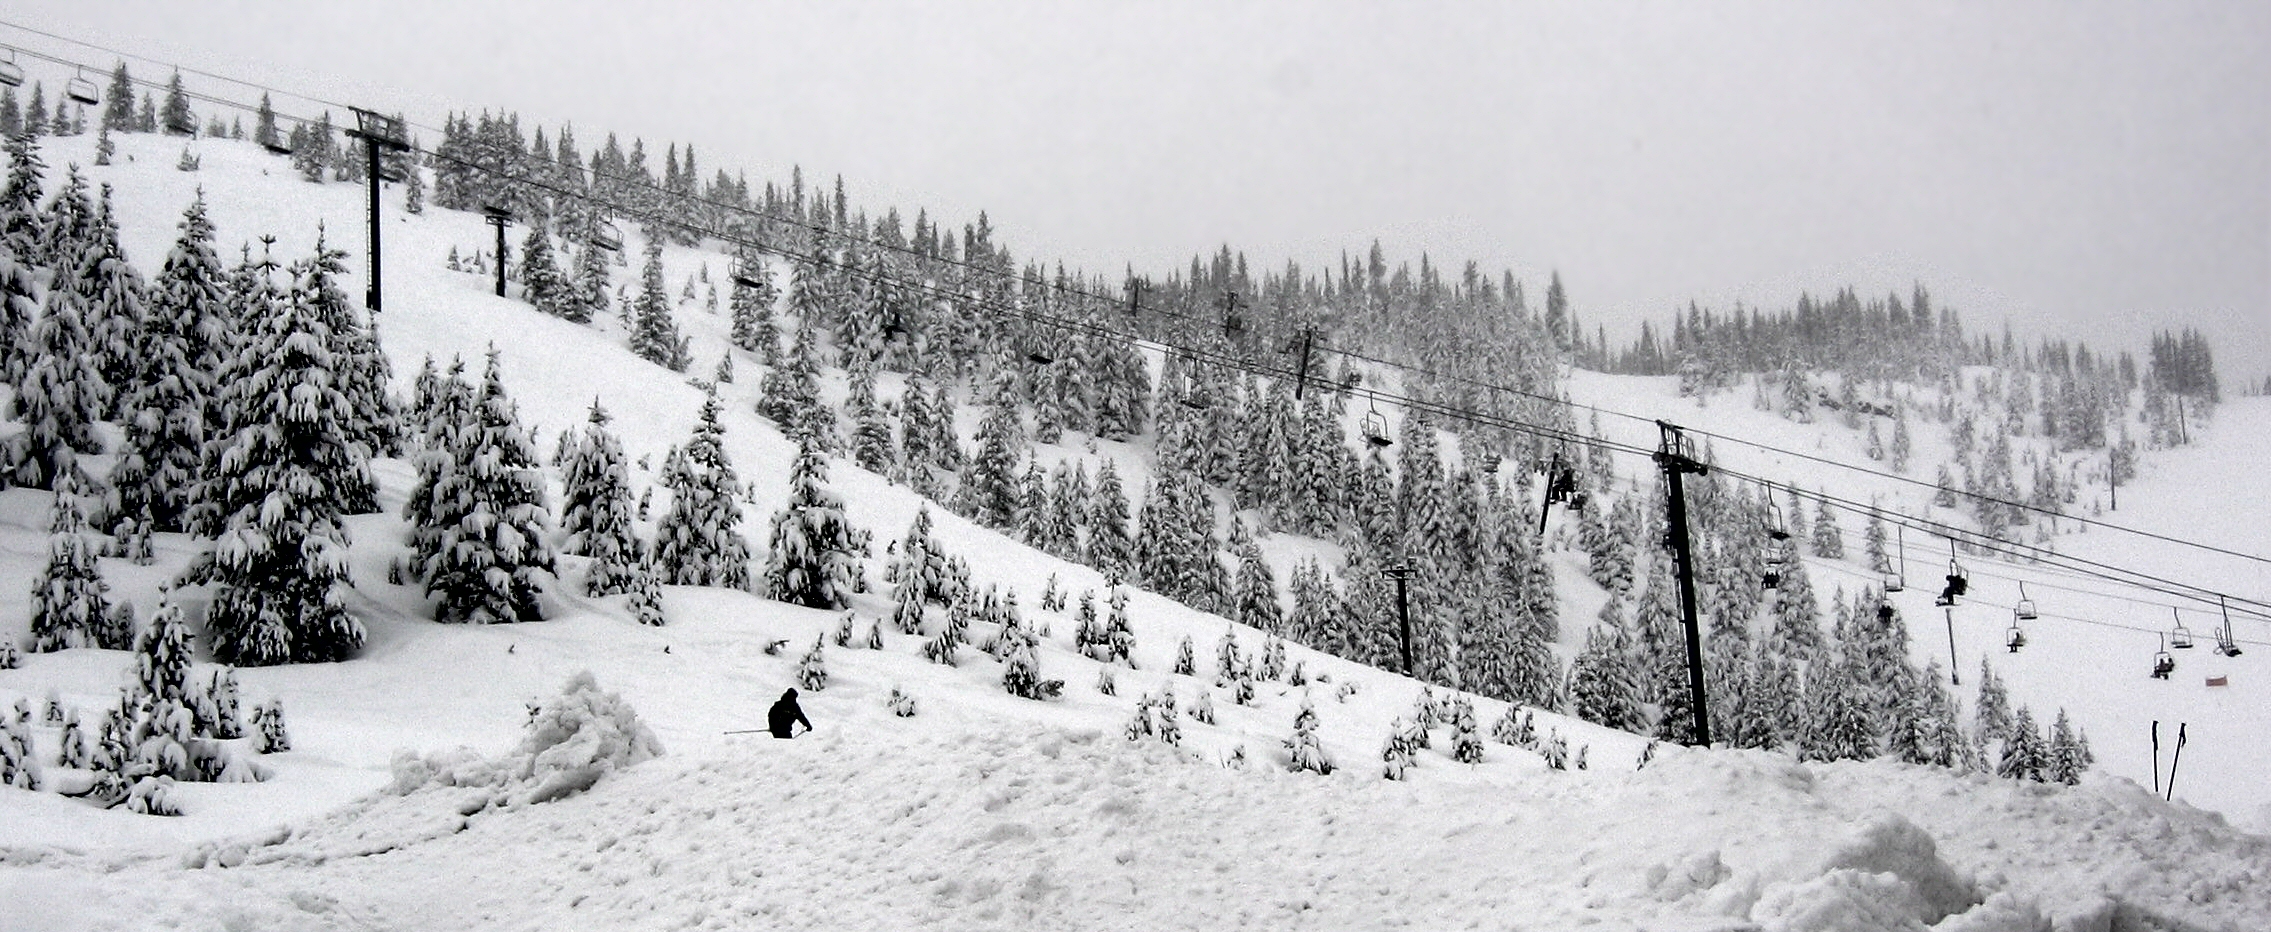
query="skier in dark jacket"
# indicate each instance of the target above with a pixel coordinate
(785, 715)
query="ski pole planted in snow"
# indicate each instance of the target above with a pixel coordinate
(2156, 757)
(2174, 759)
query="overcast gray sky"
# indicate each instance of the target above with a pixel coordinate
(2088, 169)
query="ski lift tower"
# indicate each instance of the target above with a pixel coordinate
(379, 133)
(1676, 458)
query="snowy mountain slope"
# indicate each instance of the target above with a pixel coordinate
(1695, 836)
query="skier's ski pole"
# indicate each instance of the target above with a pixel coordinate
(758, 731)
(2173, 759)
(2156, 757)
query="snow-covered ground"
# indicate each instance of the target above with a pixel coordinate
(988, 811)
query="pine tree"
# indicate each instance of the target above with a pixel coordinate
(1303, 751)
(1109, 549)
(1829, 541)
(812, 671)
(60, 396)
(69, 598)
(989, 490)
(789, 394)
(699, 541)
(596, 508)
(1837, 725)
(1991, 718)
(1873, 543)
(2065, 753)
(2024, 755)
(752, 303)
(186, 336)
(361, 372)
(815, 554)
(543, 283)
(491, 520)
(271, 497)
(1255, 601)
(871, 432)
(590, 282)
(118, 101)
(654, 334)
(175, 116)
(918, 567)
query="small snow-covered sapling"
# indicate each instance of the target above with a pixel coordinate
(812, 671)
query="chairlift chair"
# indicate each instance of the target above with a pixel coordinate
(1894, 583)
(745, 273)
(11, 74)
(1375, 428)
(1959, 583)
(2179, 637)
(1773, 558)
(2224, 643)
(605, 236)
(82, 90)
(1233, 323)
(2025, 609)
(2015, 638)
(182, 126)
(1776, 528)
(2164, 663)
(276, 148)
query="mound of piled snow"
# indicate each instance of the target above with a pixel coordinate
(573, 739)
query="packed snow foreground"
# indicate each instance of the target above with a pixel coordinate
(886, 822)
(516, 775)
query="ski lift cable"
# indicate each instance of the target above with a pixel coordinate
(1163, 311)
(1941, 529)
(2046, 561)
(1974, 569)
(1251, 366)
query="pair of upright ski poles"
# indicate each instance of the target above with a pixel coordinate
(2174, 759)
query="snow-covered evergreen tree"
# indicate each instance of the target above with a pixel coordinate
(542, 281)
(2025, 756)
(69, 598)
(699, 541)
(1110, 548)
(1828, 539)
(789, 394)
(187, 334)
(1837, 724)
(812, 671)
(871, 430)
(1255, 599)
(59, 397)
(752, 305)
(816, 554)
(989, 489)
(654, 333)
(271, 498)
(1991, 717)
(1303, 751)
(490, 520)
(596, 507)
